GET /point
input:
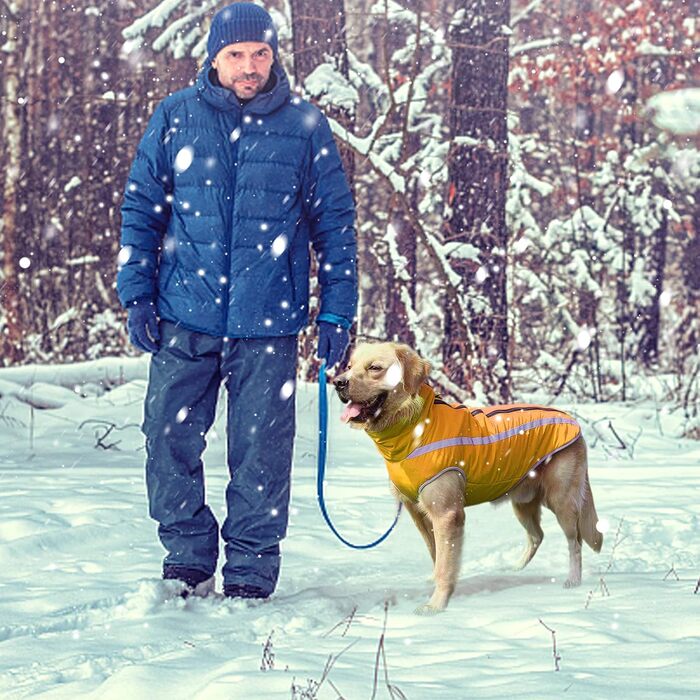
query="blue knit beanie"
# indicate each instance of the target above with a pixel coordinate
(242, 21)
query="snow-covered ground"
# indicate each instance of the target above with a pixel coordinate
(84, 614)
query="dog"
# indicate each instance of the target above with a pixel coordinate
(442, 457)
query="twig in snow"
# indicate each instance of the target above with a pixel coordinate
(672, 570)
(602, 586)
(619, 439)
(604, 591)
(332, 685)
(557, 658)
(618, 540)
(659, 426)
(350, 619)
(108, 428)
(347, 620)
(308, 693)
(11, 421)
(697, 587)
(633, 444)
(312, 688)
(268, 656)
(100, 439)
(609, 448)
(394, 691)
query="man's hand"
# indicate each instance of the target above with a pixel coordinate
(142, 325)
(333, 341)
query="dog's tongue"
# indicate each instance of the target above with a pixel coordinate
(351, 410)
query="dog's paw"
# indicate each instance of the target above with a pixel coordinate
(428, 609)
(572, 582)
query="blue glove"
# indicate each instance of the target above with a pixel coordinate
(142, 325)
(333, 341)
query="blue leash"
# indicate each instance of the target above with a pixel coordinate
(322, 440)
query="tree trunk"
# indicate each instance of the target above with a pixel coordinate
(584, 157)
(312, 19)
(478, 179)
(648, 351)
(401, 284)
(11, 121)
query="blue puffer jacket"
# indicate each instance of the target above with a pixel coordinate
(221, 203)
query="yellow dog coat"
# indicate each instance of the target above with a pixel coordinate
(492, 448)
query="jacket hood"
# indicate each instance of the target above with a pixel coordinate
(224, 99)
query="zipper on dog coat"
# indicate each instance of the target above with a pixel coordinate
(494, 448)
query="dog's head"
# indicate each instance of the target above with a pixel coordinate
(381, 382)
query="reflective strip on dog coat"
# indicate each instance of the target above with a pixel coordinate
(493, 448)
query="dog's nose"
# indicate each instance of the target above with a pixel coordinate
(340, 383)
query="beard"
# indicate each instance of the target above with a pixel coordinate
(248, 85)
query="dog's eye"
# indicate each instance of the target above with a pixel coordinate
(375, 368)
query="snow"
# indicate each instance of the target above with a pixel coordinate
(155, 18)
(83, 612)
(463, 251)
(72, 183)
(615, 81)
(184, 159)
(677, 111)
(332, 88)
(535, 45)
(180, 36)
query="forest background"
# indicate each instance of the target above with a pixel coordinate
(525, 173)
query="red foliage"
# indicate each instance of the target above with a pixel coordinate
(634, 37)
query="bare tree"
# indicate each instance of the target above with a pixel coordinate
(478, 181)
(11, 131)
(318, 37)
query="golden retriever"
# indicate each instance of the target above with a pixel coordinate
(385, 394)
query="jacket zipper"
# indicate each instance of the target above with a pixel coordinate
(234, 158)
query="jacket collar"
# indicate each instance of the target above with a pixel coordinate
(397, 441)
(226, 100)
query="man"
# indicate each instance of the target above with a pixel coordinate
(232, 180)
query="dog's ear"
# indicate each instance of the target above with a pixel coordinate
(415, 368)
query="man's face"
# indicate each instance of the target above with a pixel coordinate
(244, 67)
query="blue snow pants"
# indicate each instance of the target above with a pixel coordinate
(183, 386)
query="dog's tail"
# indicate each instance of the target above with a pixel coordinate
(588, 519)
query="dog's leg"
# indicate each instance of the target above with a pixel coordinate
(568, 519)
(529, 516)
(563, 483)
(424, 526)
(443, 500)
